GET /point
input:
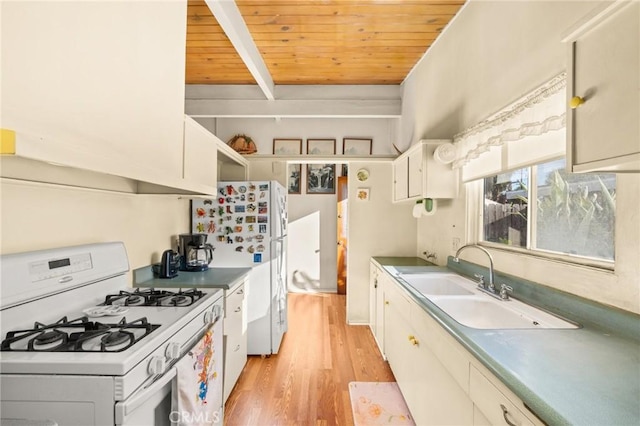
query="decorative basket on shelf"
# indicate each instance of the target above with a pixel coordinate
(243, 144)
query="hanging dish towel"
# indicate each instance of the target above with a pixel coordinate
(197, 388)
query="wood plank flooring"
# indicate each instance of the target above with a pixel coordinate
(307, 382)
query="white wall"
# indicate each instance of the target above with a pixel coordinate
(41, 216)
(264, 130)
(376, 228)
(492, 54)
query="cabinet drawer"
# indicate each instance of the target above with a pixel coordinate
(495, 406)
(235, 312)
(394, 296)
(234, 298)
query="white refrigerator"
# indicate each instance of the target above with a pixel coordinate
(247, 225)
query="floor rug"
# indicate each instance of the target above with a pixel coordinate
(378, 403)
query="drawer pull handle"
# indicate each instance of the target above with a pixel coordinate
(238, 309)
(241, 291)
(386, 302)
(237, 348)
(504, 414)
(413, 340)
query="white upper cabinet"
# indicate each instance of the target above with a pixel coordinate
(97, 85)
(417, 175)
(200, 153)
(603, 90)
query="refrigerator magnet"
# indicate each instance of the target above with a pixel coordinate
(260, 248)
(263, 229)
(200, 227)
(257, 258)
(238, 208)
(239, 220)
(239, 249)
(208, 202)
(251, 197)
(250, 228)
(229, 240)
(252, 186)
(251, 249)
(211, 228)
(251, 219)
(212, 212)
(242, 189)
(200, 212)
(238, 229)
(264, 187)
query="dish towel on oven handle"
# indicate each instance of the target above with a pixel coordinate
(197, 388)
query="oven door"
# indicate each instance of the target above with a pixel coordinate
(153, 404)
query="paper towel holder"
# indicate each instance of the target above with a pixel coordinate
(425, 207)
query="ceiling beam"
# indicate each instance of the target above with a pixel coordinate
(228, 16)
(294, 108)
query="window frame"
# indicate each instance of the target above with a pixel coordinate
(475, 225)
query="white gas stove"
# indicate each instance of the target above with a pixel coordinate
(81, 347)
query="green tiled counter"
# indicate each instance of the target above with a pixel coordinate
(585, 376)
(224, 278)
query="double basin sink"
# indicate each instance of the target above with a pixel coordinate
(460, 298)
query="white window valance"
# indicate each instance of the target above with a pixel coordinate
(528, 131)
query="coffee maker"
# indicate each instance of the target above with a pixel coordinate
(195, 253)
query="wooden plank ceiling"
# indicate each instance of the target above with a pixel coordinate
(318, 41)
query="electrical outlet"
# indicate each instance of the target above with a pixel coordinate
(455, 244)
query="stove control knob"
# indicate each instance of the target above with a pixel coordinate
(173, 350)
(208, 317)
(157, 365)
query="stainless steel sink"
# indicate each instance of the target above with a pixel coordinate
(459, 298)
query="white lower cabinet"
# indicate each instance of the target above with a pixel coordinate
(235, 336)
(376, 304)
(432, 394)
(442, 383)
(490, 398)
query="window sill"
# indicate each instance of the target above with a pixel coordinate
(573, 261)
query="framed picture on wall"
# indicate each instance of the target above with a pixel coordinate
(321, 146)
(287, 146)
(357, 146)
(294, 179)
(321, 178)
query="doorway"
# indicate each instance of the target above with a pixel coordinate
(342, 231)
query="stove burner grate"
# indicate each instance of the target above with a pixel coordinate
(153, 297)
(113, 337)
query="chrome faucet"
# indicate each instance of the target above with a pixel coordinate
(490, 288)
(457, 260)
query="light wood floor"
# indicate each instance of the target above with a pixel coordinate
(307, 382)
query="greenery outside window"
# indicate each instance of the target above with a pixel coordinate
(544, 208)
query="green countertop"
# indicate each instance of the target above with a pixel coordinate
(586, 376)
(224, 278)
(401, 261)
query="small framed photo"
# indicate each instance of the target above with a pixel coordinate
(357, 146)
(321, 146)
(362, 194)
(321, 178)
(294, 179)
(287, 146)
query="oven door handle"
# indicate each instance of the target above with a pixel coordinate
(125, 408)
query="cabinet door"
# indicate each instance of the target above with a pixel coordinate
(373, 295)
(494, 404)
(400, 176)
(200, 154)
(112, 97)
(415, 173)
(604, 132)
(382, 279)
